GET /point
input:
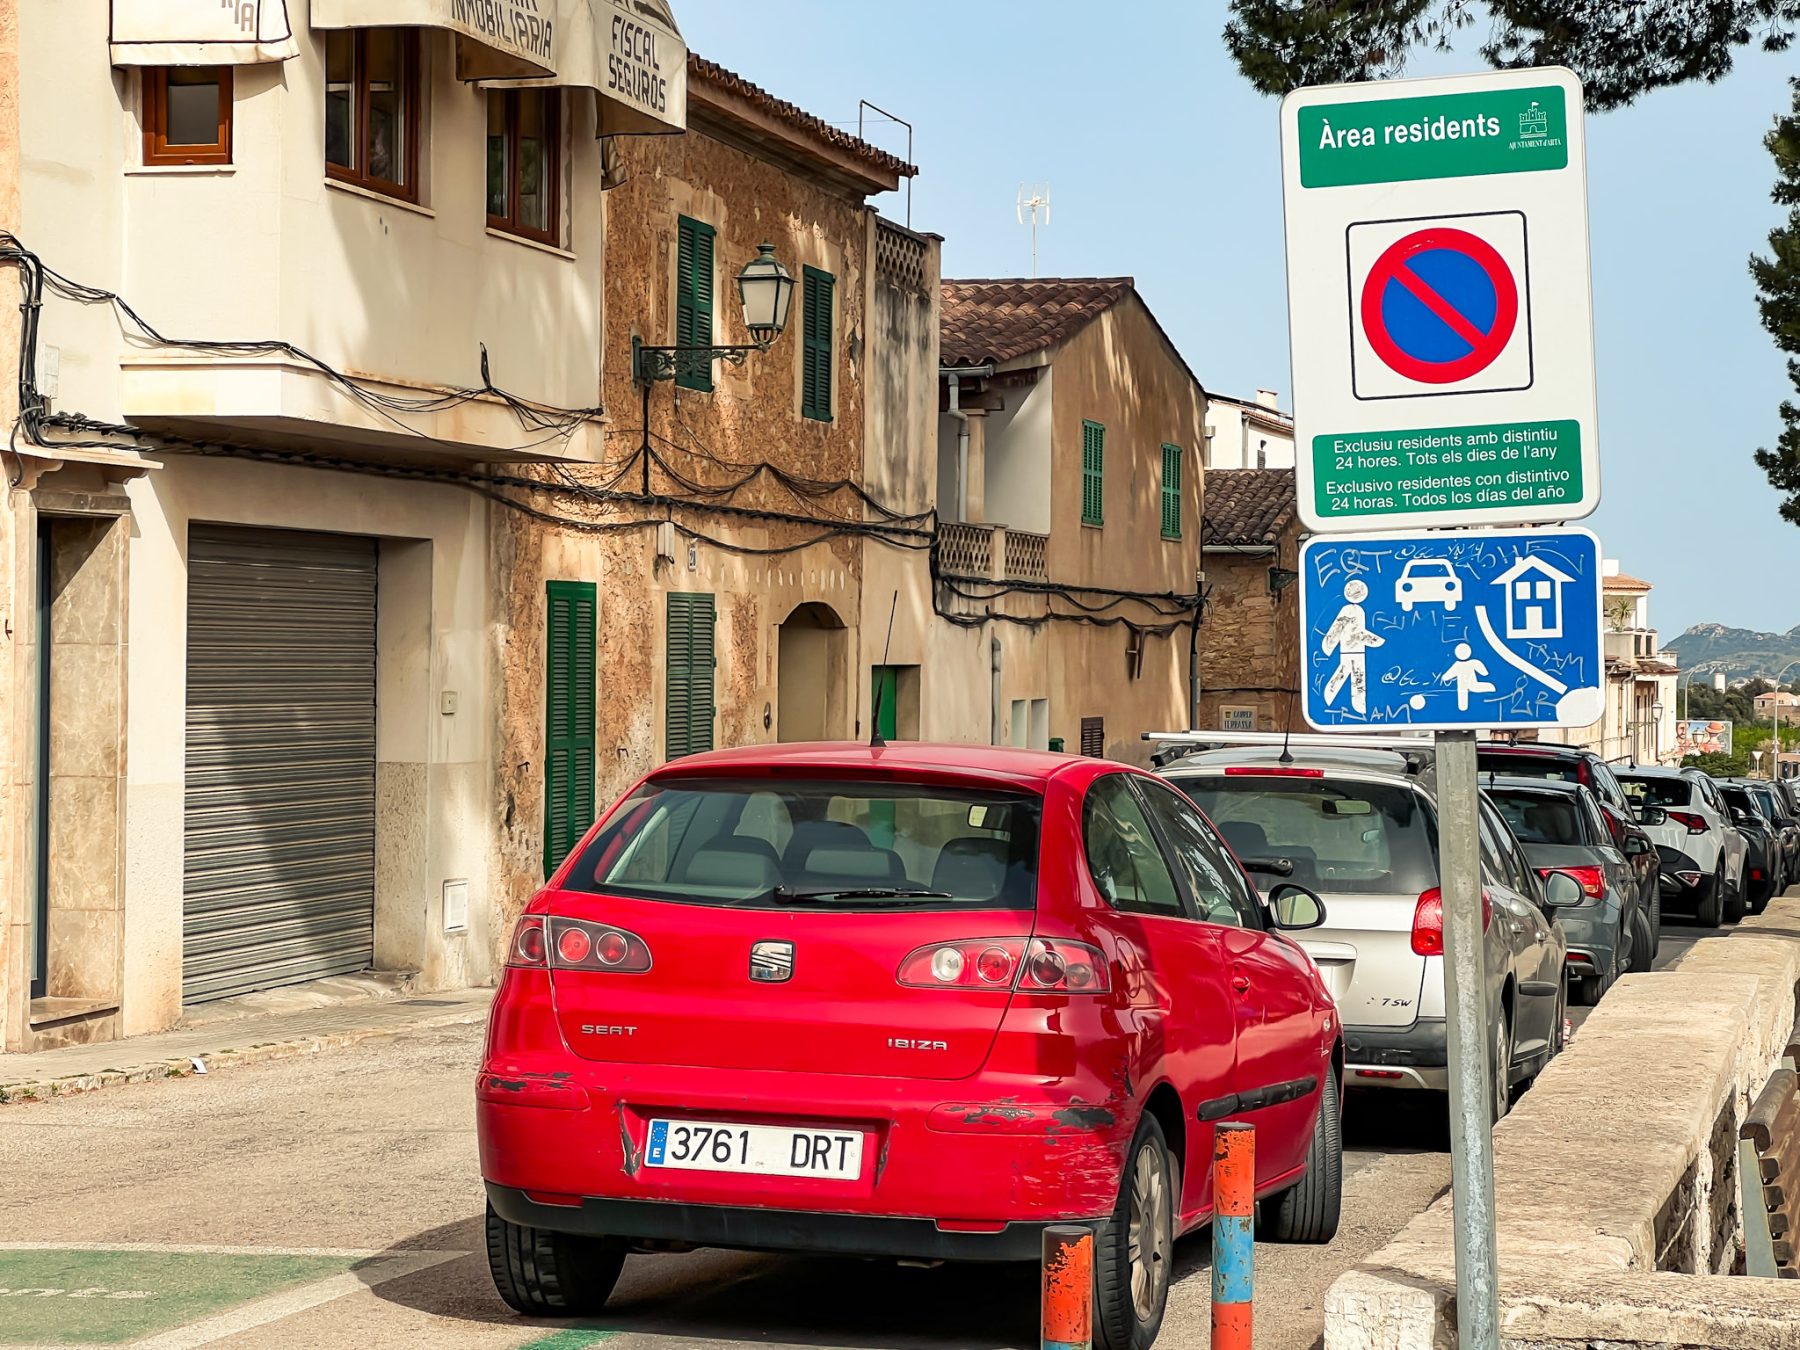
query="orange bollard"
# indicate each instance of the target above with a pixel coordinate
(1068, 1307)
(1234, 1235)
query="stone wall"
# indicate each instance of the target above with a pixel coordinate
(1615, 1177)
(1250, 640)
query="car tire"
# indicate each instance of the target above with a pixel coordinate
(545, 1274)
(1308, 1211)
(1502, 1088)
(1640, 942)
(1655, 921)
(1711, 908)
(1735, 904)
(1127, 1315)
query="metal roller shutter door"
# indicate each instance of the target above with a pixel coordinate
(279, 873)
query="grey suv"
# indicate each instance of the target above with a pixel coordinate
(1359, 827)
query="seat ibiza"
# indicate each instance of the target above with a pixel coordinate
(904, 1002)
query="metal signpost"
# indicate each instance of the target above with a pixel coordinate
(1441, 335)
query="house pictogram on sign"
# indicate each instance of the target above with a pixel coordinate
(1534, 598)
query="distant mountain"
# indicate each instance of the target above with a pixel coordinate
(1739, 652)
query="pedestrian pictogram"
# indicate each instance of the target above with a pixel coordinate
(1439, 305)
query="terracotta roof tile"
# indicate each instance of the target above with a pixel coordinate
(1000, 320)
(711, 72)
(1621, 582)
(1247, 506)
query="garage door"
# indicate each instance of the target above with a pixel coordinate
(279, 880)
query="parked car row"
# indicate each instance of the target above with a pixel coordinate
(1725, 846)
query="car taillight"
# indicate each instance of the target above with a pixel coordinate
(1428, 921)
(572, 944)
(1037, 966)
(528, 943)
(1696, 823)
(1258, 771)
(1592, 879)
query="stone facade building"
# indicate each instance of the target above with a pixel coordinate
(1250, 637)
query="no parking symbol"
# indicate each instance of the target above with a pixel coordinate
(1440, 306)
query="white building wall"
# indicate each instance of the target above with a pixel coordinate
(1237, 438)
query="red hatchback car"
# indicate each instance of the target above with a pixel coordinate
(897, 1001)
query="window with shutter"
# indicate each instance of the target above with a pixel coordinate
(569, 637)
(1093, 473)
(689, 724)
(815, 358)
(1093, 737)
(694, 299)
(1171, 492)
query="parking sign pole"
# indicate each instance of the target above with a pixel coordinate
(1471, 1084)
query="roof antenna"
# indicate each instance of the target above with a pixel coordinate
(875, 740)
(1287, 730)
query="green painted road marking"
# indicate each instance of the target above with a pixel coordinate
(62, 1297)
(1398, 140)
(576, 1338)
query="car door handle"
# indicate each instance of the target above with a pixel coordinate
(1516, 926)
(1240, 981)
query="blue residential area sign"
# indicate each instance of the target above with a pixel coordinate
(1450, 631)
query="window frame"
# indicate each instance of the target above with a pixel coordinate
(510, 223)
(1171, 492)
(1093, 472)
(1177, 813)
(159, 152)
(695, 375)
(816, 382)
(412, 114)
(1090, 806)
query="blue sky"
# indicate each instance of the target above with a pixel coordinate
(1164, 165)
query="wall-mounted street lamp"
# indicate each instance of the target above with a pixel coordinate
(1280, 578)
(765, 289)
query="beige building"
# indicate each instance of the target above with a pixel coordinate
(1069, 486)
(1250, 636)
(706, 585)
(1639, 722)
(252, 651)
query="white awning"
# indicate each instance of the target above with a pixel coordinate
(200, 32)
(631, 54)
(496, 39)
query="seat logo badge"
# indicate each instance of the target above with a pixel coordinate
(772, 962)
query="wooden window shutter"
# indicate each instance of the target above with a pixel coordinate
(689, 713)
(1171, 491)
(694, 299)
(1093, 473)
(569, 637)
(815, 359)
(1093, 737)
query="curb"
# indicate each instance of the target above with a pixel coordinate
(18, 1093)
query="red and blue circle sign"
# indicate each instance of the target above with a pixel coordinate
(1440, 305)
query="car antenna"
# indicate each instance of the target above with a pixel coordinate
(875, 740)
(1287, 756)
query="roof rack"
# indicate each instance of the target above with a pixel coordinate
(1418, 752)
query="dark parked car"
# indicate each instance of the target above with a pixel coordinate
(1573, 764)
(1774, 804)
(1563, 830)
(1763, 863)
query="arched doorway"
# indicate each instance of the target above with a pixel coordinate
(812, 666)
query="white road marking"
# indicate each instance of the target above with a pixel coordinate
(276, 1307)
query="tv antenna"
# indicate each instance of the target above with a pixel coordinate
(1031, 201)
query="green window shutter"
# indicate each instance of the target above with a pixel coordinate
(694, 298)
(689, 715)
(1093, 474)
(815, 357)
(1171, 492)
(569, 637)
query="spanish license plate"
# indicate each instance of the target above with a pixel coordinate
(720, 1146)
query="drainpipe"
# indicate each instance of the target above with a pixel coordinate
(1194, 650)
(994, 713)
(953, 377)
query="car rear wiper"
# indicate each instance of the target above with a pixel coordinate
(859, 893)
(1275, 867)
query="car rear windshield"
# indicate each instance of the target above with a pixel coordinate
(1540, 817)
(1739, 799)
(1766, 800)
(1656, 791)
(1344, 837)
(814, 843)
(1553, 767)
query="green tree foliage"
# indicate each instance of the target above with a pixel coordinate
(1777, 280)
(1620, 48)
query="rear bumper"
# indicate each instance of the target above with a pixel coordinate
(1681, 877)
(775, 1230)
(1405, 1057)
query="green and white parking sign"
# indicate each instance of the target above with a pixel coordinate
(1440, 319)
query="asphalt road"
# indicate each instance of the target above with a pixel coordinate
(335, 1201)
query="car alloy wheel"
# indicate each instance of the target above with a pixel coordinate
(1148, 1237)
(1502, 1067)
